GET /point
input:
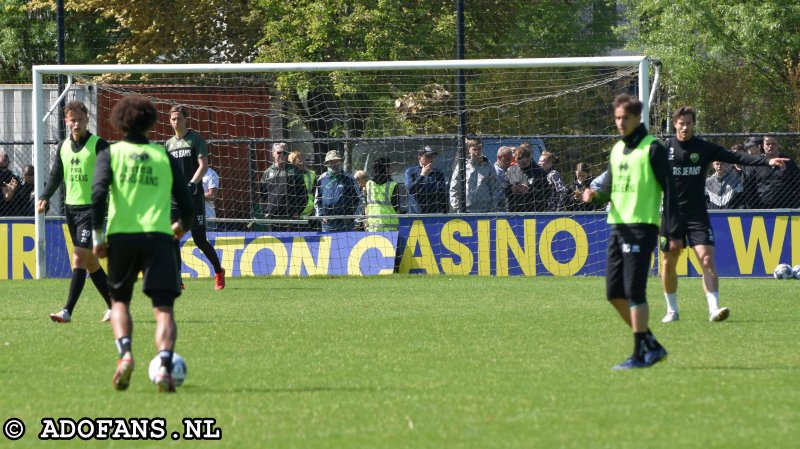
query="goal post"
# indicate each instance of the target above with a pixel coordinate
(366, 109)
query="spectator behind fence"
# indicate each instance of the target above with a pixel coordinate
(736, 169)
(283, 190)
(210, 189)
(583, 180)
(361, 178)
(525, 186)
(481, 178)
(298, 159)
(24, 203)
(9, 183)
(560, 191)
(382, 197)
(773, 188)
(723, 187)
(337, 194)
(505, 157)
(427, 186)
(749, 198)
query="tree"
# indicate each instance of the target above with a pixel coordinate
(339, 30)
(154, 31)
(28, 37)
(736, 60)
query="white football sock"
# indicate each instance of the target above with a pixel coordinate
(713, 301)
(672, 301)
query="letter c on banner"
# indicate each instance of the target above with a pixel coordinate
(377, 242)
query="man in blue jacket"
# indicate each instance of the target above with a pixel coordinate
(337, 196)
(426, 185)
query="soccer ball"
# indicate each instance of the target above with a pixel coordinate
(796, 271)
(783, 271)
(178, 369)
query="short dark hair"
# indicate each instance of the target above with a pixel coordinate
(753, 142)
(74, 106)
(134, 115)
(583, 167)
(179, 108)
(550, 157)
(522, 151)
(473, 142)
(684, 110)
(381, 166)
(631, 105)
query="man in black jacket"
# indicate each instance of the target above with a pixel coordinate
(774, 189)
(690, 157)
(283, 190)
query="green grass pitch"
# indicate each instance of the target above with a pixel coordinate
(417, 362)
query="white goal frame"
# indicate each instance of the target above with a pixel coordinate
(39, 117)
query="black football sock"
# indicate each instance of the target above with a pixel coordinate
(100, 281)
(166, 359)
(124, 345)
(639, 345)
(75, 288)
(651, 342)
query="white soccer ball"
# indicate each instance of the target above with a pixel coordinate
(796, 271)
(178, 369)
(783, 271)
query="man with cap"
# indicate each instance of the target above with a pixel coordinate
(337, 195)
(426, 185)
(283, 190)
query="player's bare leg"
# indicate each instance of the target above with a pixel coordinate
(669, 281)
(122, 326)
(705, 254)
(165, 336)
(83, 261)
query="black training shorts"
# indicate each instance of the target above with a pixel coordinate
(630, 251)
(693, 231)
(79, 223)
(152, 254)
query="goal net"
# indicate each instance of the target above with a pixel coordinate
(388, 120)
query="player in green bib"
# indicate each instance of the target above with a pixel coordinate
(135, 180)
(639, 175)
(73, 167)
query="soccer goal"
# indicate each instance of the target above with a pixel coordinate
(368, 114)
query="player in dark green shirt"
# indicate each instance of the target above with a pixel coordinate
(189, 148)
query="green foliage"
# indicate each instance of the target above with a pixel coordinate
(26, 38)
(387, 30)
(734, 59)
(416, 362)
